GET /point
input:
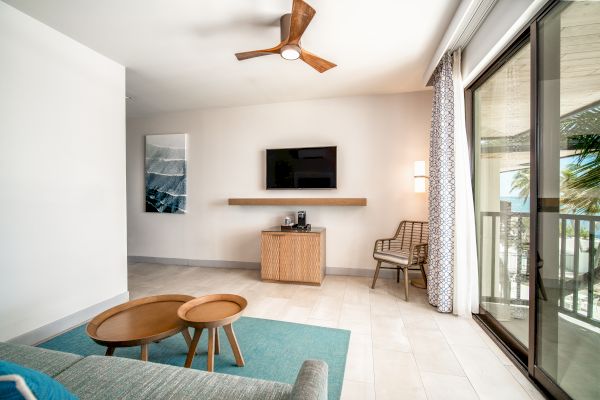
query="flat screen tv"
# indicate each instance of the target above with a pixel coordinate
(302, 168)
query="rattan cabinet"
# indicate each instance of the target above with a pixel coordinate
(293, 256)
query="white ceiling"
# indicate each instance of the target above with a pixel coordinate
(180, 54)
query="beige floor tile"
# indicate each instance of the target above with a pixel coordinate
(440, 362)
(359, 365)
(295, 314)
(447, 387)
(267, 307)
(384, 305)
(280, 290)
(353, 390)
(355, 312)
(327, 308)
(388, 333)
(305, 296)
(418, 320)
(356, 294)
(524, 382)
(334, 286)
(488, 376)
(397, 376)
(458, 330)
(360, 327)
(326, 323)
(495, 349)
(427, 341)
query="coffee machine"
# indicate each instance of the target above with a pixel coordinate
(301, 219)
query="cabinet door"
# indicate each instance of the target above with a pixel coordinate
(308, 260)
(299, 258)
(287, 258)
(269, 256)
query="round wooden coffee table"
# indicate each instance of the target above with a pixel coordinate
(139, 322)
(211, 312)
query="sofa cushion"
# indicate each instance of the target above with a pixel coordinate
(49, 362)
(18, 382)
(97, 377)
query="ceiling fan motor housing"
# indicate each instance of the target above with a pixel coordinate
(289, 51)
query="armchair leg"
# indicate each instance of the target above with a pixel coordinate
(376, 274)
(406, 284)
(424, 274)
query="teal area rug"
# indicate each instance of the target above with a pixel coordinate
(272, 350)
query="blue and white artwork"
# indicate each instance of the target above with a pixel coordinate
(165, 173)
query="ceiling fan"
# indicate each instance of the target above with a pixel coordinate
(292, 27)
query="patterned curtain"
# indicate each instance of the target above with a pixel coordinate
(441, 189)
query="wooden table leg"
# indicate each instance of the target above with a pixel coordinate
(187, 337)
(210, 360)
(144, 352)
(234, 345)
(110, 351)
(217, 344)
(192, 349)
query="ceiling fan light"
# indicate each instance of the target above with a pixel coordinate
(290, 52)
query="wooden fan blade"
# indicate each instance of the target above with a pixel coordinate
(258, 53)
(302, 14)
(316, 62)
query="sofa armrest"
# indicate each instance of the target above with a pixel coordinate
(311, 383)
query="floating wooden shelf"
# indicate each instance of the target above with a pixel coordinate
(310, 201)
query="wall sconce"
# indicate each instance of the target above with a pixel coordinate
(420, 177)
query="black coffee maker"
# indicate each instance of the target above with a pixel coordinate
(301, 219)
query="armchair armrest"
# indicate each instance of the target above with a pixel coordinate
(418, 253)
(382, 244)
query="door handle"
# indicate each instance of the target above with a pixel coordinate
(539, 264)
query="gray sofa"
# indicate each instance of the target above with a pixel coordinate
(98, 377)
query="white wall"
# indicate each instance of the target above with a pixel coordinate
(62, 176)
(378, 140)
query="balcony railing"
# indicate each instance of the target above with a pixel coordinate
(505, 245)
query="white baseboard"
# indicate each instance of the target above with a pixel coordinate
(55, 328)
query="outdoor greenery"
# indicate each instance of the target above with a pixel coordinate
(580, 180)
(580, 184)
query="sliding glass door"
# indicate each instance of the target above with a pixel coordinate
(535, 125)
(568, 237)
(502, 156)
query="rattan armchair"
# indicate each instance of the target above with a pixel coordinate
(407, 250)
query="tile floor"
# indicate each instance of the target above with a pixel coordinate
(398, 350)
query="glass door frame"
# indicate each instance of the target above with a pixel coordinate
(500, 334)
(523, 357)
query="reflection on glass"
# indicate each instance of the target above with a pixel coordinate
(569, 191)
(502, 156)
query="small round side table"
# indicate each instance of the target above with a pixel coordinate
(139, 323)
(212, 312)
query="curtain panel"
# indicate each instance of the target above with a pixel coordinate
(466, 271)
(440, 283)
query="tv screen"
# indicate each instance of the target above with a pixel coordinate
(302, 168)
